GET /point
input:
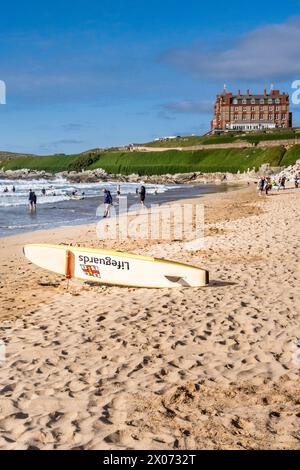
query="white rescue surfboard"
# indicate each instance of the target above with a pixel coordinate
(114, 267)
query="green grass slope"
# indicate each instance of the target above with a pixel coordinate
(291, 155)
(156, 163)
(253, 138)
(51, 163)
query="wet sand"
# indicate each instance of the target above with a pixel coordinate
(105, 367)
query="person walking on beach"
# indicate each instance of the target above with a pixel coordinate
(296, 182)
(261, 185)
(282, 182)
(268, 185)
(107, 202)
(142, 193)
(119, 190)
(13, 189)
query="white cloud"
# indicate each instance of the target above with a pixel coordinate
(271, 52)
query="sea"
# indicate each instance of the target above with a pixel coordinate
(66, 203)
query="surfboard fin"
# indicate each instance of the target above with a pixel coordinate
(173, 278)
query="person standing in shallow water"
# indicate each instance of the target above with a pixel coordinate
(34, 201)
(107, 202)
(142, 193)
(31, 200)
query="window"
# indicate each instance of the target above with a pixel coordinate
(261, 116)
(236, 108)
(253, 101)
(277, 101)
(276, 116)
(235, 117)
(270, 117)
(244, 109)
(244, 101)
(276, 108)
(261, 108)
(252, 117)
(284, 116)
(235, 101)
(244, 117)
(270, 101)
(270, 108)
(252, 108)
(262, 101)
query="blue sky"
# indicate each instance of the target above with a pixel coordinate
(84, 74)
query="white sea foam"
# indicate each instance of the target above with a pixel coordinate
(59, 189)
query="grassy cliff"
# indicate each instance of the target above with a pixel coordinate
(207, 160)
(158, 163)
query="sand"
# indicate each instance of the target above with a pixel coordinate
(105, 367)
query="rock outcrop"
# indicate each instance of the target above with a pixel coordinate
(290, 172)
(100, 175)
(24, 174)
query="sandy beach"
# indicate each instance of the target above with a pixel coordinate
(106, 367)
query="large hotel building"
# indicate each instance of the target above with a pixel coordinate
(251, 112)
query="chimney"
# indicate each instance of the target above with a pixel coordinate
(239, 92)
(265, 92)
(248, 92)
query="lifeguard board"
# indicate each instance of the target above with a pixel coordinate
(115, 267)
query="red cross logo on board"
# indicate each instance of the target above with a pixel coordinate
(90, 270)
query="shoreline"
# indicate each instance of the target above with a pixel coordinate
(207, 368)
(202, 198)
(66, 213)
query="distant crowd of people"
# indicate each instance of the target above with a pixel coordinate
(265, 184)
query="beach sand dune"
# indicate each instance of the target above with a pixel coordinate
(105, 367)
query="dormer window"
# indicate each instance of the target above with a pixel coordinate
(253, 101)
(244, 101)
(270, 101)
(262, 101)
(235, 101)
